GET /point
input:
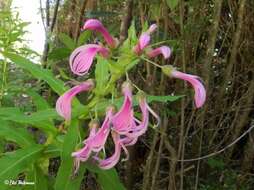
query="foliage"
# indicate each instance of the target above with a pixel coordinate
(36, 143)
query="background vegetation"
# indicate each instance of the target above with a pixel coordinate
(206, 149)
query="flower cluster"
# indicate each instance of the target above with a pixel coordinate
(122, 124)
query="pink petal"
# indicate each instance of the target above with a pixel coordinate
(200, 92)
(122, 120)
(111, 161)
(152, 28)
(141, 128)
(164, 50)
(99, 139)
(63, 104)
(143, 42)
(83, 154)
(81, 58)
(94, 24)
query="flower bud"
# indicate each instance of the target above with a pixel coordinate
(167, 70)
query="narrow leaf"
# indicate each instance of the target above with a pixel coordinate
(38, 72)
(17, 135)
(67, 41)
(64, 175)
(13, 163)
(101, 75)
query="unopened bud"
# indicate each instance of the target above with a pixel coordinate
(127, 85)
(94, 124)
(167, 70)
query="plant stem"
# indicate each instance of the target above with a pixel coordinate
(4, 80)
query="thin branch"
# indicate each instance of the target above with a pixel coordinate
(217, 152)
(54, 16)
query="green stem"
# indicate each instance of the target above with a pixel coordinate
(149, 61)
(4, 79)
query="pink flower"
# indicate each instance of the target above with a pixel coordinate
(84, 153)
(111, 161)
(94, 24)
(142, 126)
(144, 40)
(63, 104)
(200, 92)
(164, 50)
(152, 28)
(97, 138)
(122, 121)
(81, 58)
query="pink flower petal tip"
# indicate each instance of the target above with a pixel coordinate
(144, 40)
(82, 58)
(96, 25)
(200, 92)
(63, 104)
(164, 50)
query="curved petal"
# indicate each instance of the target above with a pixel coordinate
(111, 161)
(63, 104)
(141, 128)
(152, 28)
(81, 58)
(99, 139)
(143, 42)
(122, 120)
(164, 50)
(83, 154)
(94, 24)
(200, 92)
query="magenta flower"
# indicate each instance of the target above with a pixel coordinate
(97, 138)
(200, 92)
(122, 121)
(81, 58)
(152, 28)
(94, 24)
(63, 104)
(164, 50)
(111, 161)
(142, 126)
(144, 40)
(84, 153)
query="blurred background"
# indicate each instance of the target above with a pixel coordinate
(211, 148)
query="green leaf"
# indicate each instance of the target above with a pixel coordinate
(164, 99)
(101, 75)
(38, 72)
(39, 101)
(13, 163)
(108, 179)
(83, 38)
(172, 4)
(118, 102)
(36, 176)
(17, 135)
(40, 119)
(131, 41)
(59, 54)
(64, 175)
(67, 41)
